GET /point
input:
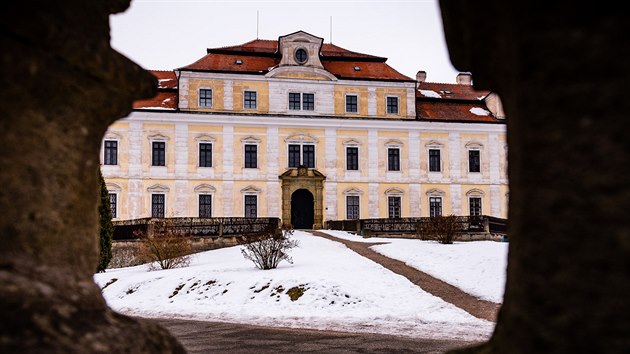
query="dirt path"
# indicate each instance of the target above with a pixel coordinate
(479, 308)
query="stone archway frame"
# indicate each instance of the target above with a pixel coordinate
(303, 178)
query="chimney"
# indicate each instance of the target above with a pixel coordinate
(421, 76)
(464, 78)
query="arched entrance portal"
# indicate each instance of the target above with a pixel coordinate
(298, 184)
(302, 209)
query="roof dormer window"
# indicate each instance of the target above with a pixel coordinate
(238, 62)
(301, 56)
(357, 68)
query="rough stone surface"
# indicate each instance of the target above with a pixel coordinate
(562, 73)
(61, 85)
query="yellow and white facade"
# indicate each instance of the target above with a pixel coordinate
(218, 140)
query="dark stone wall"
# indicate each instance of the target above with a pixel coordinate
(61, 85)
(562, 72)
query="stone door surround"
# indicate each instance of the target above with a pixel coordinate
(303, 178)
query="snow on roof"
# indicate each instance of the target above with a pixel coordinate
(479, 111)
(430, 93)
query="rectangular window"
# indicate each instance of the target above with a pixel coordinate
(294, 155)
(352, 207)
(111, 152)
(308, 101)
(251, 206)
(394, 207)
(113, 204)
(159, 153)
(205, 205)
(434, 160)
(205, 98)
(249, 100)
(474, 163)
(352, 158)
(475, 206)
(352, 103)
(157, 205)
(308, 156)
(294, 101)
(205, 155)
(435, 206)
(393, 159)
(251, 156)
(392, 105)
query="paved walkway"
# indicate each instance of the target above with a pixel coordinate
(479, 308)
(217, 337)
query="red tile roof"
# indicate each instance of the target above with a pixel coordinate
(266, 46)
(367, 70)
(227, 63)
(166, 79)
(162, 101)
(451, 111)
(452, 102)
(450, 91)
(259, 56)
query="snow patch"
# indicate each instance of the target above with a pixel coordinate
(430, 93)
(479, 111)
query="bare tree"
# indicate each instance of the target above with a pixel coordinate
(267, 249)
(164, 248)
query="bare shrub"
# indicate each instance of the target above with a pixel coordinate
(125, 256)
(164, 249)
(267, 249)
(444, 229)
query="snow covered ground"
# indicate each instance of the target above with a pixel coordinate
(342, 291)
(477, 268)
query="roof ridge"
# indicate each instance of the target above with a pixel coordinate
(246, 43)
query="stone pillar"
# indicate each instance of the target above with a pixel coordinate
(62, 85)
(563, 82)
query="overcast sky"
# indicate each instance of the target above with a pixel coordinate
(167, 34)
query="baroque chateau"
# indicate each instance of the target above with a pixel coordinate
(308, 132)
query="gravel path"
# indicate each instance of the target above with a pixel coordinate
(479, 308)
(219, 337)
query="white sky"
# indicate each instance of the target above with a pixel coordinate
(167, 34)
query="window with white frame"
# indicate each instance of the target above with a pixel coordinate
(474, 205)
(435, 158)
(205, 205)
(205, 97)
(158, 205)
(474, 160)
(301, 101)
(394, 206)
(308, 101)
(205, 154)
(392, 105)
(110, 152)
(394, 202)
(352, 207)
(301, 154)
(435, 206)
(393, 159)
(352, 103)
(158, 153)
(249, 100)
(251, 206)
(251, 155)
(113, 204)
(352, 158)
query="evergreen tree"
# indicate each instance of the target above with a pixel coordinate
(106, 228)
